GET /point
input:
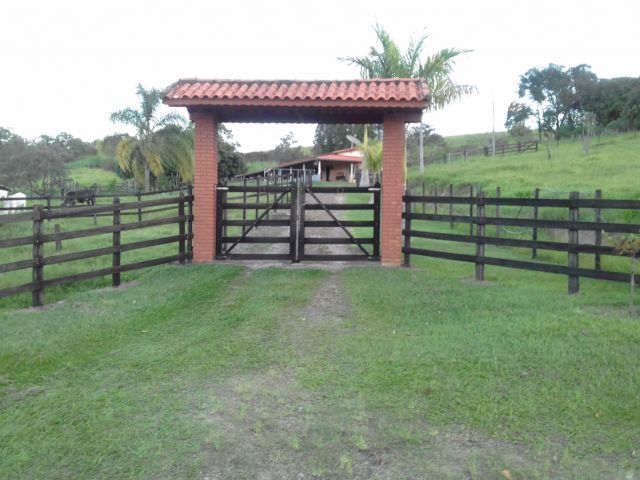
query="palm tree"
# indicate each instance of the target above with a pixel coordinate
(160, 142)
(436, 69)
(371, 158)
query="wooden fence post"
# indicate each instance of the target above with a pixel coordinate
(470, 209)
(267, 194)
(257, 198)
(407, 237)
(56, 229)
(451, 204)
(574, 256)
(424, 193)
(480, 230)
(139, 207)
(498, 193)
(115, 275)
(190, 223)
(293, 223)
(301, 223)
(534, 235)
(181, 229)
(37, 272)
(49, 206)
(598, 233)
(244, 202)
(435, 202)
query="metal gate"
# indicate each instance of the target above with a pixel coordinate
(298, 222)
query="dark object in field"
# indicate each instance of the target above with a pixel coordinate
(87, 196)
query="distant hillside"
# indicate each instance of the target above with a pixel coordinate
(98, 169)
(270, 158)
(612, 165)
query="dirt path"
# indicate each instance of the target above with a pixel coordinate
(268, 425)
(283, 248)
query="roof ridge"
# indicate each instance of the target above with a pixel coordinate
(289, 80)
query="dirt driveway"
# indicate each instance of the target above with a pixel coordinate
(283, 248)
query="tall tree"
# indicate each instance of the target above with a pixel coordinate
(30, 165)
(148, 151)
(330, 137)
(386, 60)
(559, 95)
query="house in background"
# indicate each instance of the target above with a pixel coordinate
(327, 167)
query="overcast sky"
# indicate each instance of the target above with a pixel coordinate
(65, 65)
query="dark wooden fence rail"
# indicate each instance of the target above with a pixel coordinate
(52, 202)
(505, 149)
(116, 210)
(481, 219)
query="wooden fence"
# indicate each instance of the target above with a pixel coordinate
(116, 210)
(52, 202)
(467, 152)
(125, 188)
(478, 217)
(505, 149)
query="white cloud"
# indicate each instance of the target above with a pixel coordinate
(66, 65)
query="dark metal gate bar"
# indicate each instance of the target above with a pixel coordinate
(332, 221)
(300, 221)
(227, 202)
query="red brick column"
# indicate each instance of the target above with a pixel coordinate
(392, 191)
(205, 179)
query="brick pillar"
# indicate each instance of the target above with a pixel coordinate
(392, 191)
(205, 179)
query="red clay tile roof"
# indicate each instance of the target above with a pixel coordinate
(340, 158)
(293, 101)
(224, 92)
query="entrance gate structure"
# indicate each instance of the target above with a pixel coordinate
(391, 102)
(291, 214)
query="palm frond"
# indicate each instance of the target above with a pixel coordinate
(125, 153)
(127, 116)
(171, 118)
(386, 61)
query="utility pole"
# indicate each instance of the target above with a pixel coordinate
(421, 151)
(493, 126)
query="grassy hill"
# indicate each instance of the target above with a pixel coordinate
(93, 169)
(613, 165)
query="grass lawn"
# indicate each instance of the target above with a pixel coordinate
(366, 372)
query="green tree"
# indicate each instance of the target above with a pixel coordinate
(387, 61)
(331, 137)
(559, 95)
(151, 149)
(30, 165)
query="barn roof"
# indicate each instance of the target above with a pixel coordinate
(335, 156)
(300, 101)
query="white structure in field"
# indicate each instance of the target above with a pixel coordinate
(15, 203)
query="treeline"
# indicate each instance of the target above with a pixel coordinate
(336, 137)
(565, 101)
(29, 164)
